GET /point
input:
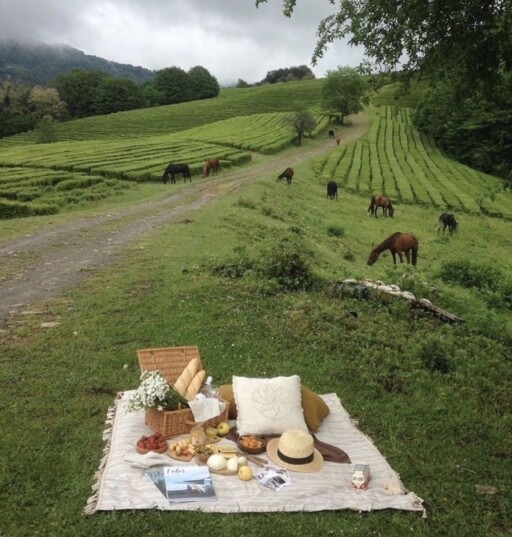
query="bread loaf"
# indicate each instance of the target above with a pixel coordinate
(184, 380)
(195, 385)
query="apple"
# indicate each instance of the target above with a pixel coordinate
(223, 428)
(211, 432)
(245, 473)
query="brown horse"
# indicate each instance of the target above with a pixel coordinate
(287, 174)
(211, 165)
(398, 243)
(381, 201)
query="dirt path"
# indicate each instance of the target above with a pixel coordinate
(44, 265)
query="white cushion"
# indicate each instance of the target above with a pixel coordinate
(268, 406)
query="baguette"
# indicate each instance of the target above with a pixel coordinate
(184, 380)
(195, 385)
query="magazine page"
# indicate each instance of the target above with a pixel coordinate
(188, 484)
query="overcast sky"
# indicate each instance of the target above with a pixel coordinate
(231, 38)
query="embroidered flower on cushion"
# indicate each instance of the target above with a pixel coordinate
(272, 401)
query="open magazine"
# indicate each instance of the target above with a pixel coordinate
(183, 483)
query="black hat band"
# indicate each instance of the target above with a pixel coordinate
(293, 460)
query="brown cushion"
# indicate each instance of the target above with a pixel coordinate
(313, 405)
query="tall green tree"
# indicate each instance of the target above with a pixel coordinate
(174, 84)
(45, 102)
(344, 92)
(302, 122)
(202, 84)
(117, 94)
(78, 89)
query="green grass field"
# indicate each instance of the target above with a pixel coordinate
(252, 282)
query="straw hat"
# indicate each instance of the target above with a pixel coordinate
(295, 451)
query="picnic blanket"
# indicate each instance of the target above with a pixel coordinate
(120, 486)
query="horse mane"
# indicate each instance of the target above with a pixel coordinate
(384, 245)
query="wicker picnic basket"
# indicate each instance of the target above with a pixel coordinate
(170, 362)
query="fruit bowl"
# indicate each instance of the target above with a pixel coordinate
(253, 445)
(156, 443)
(143, 451)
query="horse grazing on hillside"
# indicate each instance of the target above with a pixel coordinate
(397, 243)
(287, 174)
(174, 169)
(332, 190)
(331, 133)
(211, 165)
(447, 220)
(381, 201)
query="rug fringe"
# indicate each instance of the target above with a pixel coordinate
(92, 502)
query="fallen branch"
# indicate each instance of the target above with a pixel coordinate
(360, 289)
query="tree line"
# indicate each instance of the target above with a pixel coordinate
(283, 74)
(82, 93)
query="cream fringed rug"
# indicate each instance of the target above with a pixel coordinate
(119, 486)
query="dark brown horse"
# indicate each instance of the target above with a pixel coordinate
(381, 201)
(174, 169)
(447, 220)
(211, 165)
(332, 190)
(398, 243)
(287, 174)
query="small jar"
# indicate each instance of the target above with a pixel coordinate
(197, 436)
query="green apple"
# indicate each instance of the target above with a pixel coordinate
(223, 428)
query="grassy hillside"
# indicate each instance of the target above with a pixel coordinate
(161, 120)
(397, 160)
(251, 282)
(394, 158)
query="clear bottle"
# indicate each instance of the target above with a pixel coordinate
(207, 387)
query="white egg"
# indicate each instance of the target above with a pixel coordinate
(242, 461)
(216, 462)
(232, 464)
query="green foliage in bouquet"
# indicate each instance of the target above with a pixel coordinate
(155, 392)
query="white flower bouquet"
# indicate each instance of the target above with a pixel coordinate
(155, 392)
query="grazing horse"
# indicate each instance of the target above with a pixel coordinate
(287, 174)
(381, 201)
(397, 243)
(173, 169)
(332, 190)
(331, 134)
(447, 220)
(211, 165)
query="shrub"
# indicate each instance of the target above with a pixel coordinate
(336, 231)
(348, 255)
(435, 357)
(288, 265)
(470, 274)
(246, 203)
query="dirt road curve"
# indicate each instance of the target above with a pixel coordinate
(42, 266)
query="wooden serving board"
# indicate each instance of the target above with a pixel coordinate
(182, 458)
(224, 472)
(217, 472)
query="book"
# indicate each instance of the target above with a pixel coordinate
(183, 483)
(188, 484)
